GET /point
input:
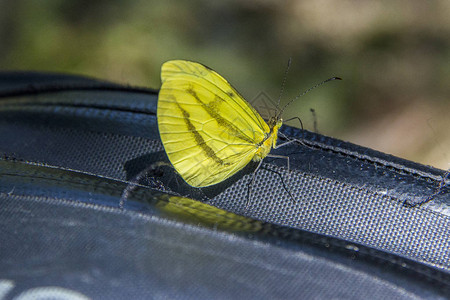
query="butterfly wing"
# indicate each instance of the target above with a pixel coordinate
(208, 130)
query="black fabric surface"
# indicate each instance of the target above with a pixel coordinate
(71, 146)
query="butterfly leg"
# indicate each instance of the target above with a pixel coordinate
(283, 156)
(281, 177)
(288, 142)
(251, 182)
(295, 118)
(283, 183)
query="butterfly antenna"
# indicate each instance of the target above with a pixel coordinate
(284, 82)
(305, 92)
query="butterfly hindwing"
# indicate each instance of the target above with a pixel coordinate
(208, 130)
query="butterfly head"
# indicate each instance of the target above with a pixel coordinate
(275, 121)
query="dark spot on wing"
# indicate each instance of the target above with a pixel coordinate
(199, 139)
(212, 108)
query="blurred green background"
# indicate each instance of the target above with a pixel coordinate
(394, 57)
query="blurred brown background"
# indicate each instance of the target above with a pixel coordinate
(394, 57)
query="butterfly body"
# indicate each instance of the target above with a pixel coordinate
(270, 141)
(208, 130)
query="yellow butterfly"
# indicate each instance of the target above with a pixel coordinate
(208, 130)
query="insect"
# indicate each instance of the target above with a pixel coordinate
(208, 130)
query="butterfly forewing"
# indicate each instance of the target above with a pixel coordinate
(208, 130)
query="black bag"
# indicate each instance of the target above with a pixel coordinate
(73, 148)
